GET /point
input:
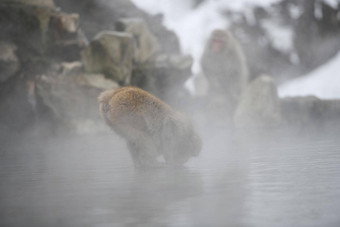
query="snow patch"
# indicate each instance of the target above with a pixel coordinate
(281, 37)
(295, 11)
(332, 3)
(323, 82)
(194, 25)
(318, 10)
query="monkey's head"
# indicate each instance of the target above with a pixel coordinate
(194, 144)
(189, 144)
(104, 99)
(190, 147)
(220, 40)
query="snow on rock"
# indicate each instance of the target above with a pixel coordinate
(323, 82)
(295, 11)
(332, 3)
(318, 10)
(194, 25)
(281, 37)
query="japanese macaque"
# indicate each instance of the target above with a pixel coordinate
(225, 67)
(150, 127)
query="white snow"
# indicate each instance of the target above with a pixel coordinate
(332, 3)
(295, 11)
(194, 25)
(323, 82)
(318, 10)
(281, 37)
(318, 6)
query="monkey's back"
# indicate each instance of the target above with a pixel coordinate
(131, 108)
(150, 126)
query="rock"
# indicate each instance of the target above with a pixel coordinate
(68, 22)
(166, 70)
(24, 25)
(73, 99)
(259, 106)
(310, 112)
(95, 81)
(176, 68)
(9, 62)
(102, 15)
(146, 45)
(40, 3)
(165, 77)
(40, 30)
(63, 27)
(300, 111)
(64, 38)
(110, 53)
(17, 113)
(71, 67)
(171, 72)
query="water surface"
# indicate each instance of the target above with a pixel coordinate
(91, 181)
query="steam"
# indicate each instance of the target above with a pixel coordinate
(89, 180)
(194, 25)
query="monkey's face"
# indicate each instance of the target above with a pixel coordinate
(104, 99)
(104, 107)
(217, 45)
(195, 145)
(219, 41)
(189, 147)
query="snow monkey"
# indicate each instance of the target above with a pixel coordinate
(150, 127)
(225, 67)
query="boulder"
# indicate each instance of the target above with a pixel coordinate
(310, 112)
(110, 53)
(40, 30)
(102, 15)
(300, 111)
(70, 67)
(95, 81)
(64, 38)
(72, 99)
(40, 36)
(39, 3)
(259, 106)
(165, 77)
(9, 62)
(176, 68)
(146, 45)
(63, 27)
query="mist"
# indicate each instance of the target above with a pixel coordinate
(267, 112)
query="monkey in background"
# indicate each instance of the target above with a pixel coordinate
(150, 127)
(224, 65)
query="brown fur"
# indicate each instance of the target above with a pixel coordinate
(150, 127)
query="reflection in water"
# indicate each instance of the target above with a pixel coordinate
(90, 181)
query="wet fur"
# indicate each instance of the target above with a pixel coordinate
(150, 127)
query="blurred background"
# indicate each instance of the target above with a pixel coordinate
(55, 55)
(260, 79)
